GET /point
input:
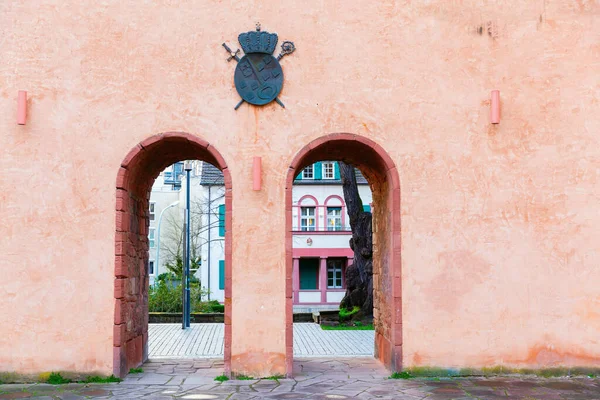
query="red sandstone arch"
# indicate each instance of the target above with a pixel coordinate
(136, 175)
(382, 175)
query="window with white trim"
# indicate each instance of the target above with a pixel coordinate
(328, 170)
(334, 218)
(307, 219)
(334, 274)
(151, 237)
(152, 208)
(150, 267)
(308, 172)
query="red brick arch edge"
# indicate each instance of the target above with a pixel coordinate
(135, 177)
(383, 177)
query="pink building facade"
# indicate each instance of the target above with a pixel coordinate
(321, 233)
(486, 234)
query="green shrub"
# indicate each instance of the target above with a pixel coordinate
(221, 378)
(347, 314)
(212, 306)
(165, 297)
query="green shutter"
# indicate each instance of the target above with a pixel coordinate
(222, 220)
(336, 170)
(317, 172)
(309, 274)
(367, 208)
(221, 274)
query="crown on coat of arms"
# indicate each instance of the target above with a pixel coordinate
(258, 42)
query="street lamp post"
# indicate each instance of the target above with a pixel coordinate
(188, 306)
(158, 230)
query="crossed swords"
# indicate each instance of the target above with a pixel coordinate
(286, 48)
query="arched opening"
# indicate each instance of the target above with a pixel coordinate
(382, 176)
(138, 171)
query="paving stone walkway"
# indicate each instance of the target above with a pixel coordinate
(206, 341)
(314, 378)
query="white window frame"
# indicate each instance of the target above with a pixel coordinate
(152, 210)
(325, 165)
(151, 238)
(306, 218)
(151, 268)
(335, 267)
(336, 218)
(310, 169)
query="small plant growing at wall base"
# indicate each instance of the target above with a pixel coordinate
(56, 378)
(136, 370)
(221, 378)
(244, 378)
(275, 377)
(401, 375)
(102, 379)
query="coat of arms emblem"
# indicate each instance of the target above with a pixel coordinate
(258, 75)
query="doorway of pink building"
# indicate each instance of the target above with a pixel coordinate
(316, 276)
(135, 238)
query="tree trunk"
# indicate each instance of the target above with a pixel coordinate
(359, 275)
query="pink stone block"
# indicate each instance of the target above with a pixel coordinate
(495, 107)
(22, 107)
(119, 335)
(120, 288)
(256, 173)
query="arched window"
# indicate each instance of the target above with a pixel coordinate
(335, 213)
(308, 213)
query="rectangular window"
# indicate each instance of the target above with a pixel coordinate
(222, 274)
(150, 267)
(328, 170)
(308, 173)
(334, 274)
(334, 218)
(307, 219)
(309, 273)
(151, 237)
(152, 206)
(222, 220)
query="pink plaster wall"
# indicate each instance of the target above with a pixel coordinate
(500, 224)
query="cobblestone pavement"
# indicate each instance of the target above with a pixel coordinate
(206, 340)
(349, 378)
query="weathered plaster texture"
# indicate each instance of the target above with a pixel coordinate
(500, 224)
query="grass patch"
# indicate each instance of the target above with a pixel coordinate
(244, 378)
(101, 379)
(401, 375)
(221, 378)
(275, 377)
(136, 370)
(368, 327)
(55, 378)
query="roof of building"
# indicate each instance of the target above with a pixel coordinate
(212, 176)
(360, 180)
